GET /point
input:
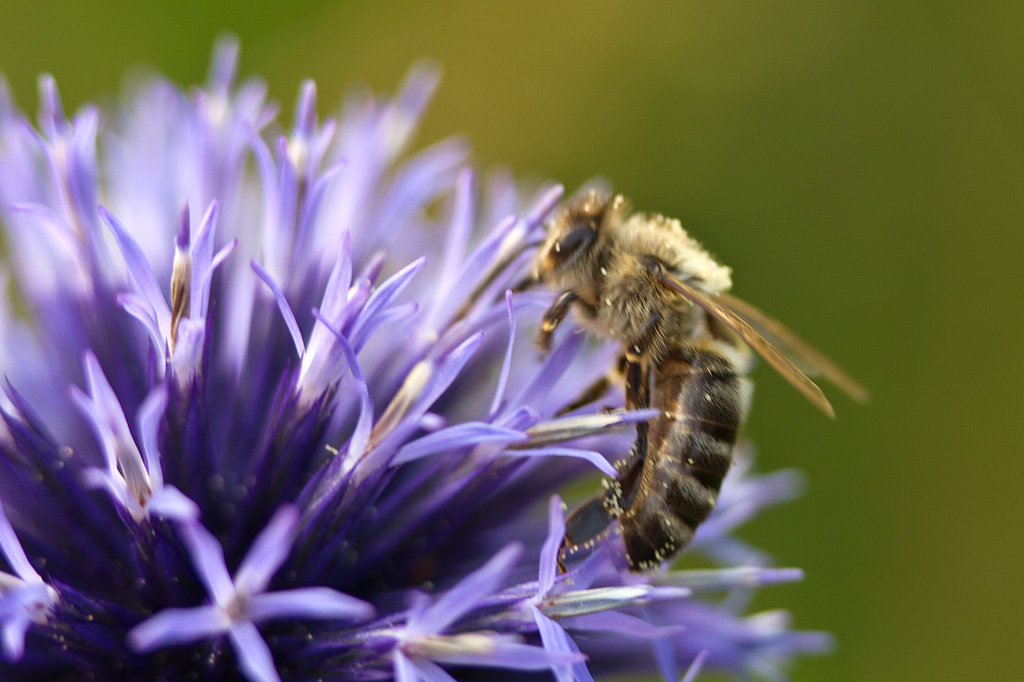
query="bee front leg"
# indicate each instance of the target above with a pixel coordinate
(553, 317)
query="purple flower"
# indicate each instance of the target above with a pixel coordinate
(306, 436)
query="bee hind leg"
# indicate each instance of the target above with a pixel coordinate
(585, 524)
(591, 518)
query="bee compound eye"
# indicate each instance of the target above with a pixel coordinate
(574, 241)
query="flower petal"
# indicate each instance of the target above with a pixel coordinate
(552, 544)
(452, 438)
(309, 602)
(282, 304)
(405, 671)
(506, 365)
(254, 658)
(207, 557)
(595, 458)
(466, 594)
(268, 551)
(556, 640)
(178, 626)
(140, 271)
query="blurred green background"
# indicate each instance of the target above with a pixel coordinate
(860, 165)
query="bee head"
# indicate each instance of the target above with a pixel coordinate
(574, 232)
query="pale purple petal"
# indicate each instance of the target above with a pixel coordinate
(13, 551)
(423, 386)
(173, 504)
(556, 640)
(555, 365)
(458, 233)
(579, 426)
(204, 262)
(361, 433)
(140, 270)
(665, 655)
(139, 308)
(466, 434)
(595, 458)
(207, 557)
(431, 672)
(584, 601)
(365, 323)
(405, 671)
(546, 200)
(111, 481)
(268, 551)
(695, 666)
(309, 602)
(12, 632)
(552, 544)
(282, 304)
(318, 363)
(618, 623)
(178, 626)
(490, 650)
(254, 658)
(188, 349)
(150, 414)
(726, 578)
(506, 365)
(467, 593)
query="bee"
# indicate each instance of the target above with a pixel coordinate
(643, 281)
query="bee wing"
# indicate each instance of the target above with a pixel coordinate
(810, 360)
(752, 338)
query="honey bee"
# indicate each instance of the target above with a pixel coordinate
(643, 281)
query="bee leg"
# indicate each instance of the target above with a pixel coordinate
(585, 523)
(591, 518)
(638, 379)
(553, 317)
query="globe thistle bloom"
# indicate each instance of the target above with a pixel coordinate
(304, 436)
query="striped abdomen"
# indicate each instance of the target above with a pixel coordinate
(702, 400)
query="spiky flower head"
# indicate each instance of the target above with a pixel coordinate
(270, 412)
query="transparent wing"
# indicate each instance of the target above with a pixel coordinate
(750, 336)
(809, 359)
